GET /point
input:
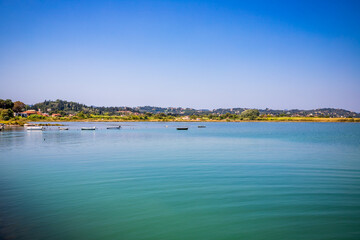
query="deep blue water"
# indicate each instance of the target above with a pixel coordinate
(149, 181)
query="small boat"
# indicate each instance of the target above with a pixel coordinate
(201, 126)
(88, 128)
(63, 128)
(113, 127)
(35, 128)
(182, 128)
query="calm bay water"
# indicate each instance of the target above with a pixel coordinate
(148, 181)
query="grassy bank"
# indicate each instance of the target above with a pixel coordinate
(307, 119)
(22, 121)
(15, 122)
(182, 119)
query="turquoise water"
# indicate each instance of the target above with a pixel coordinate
(149, 181)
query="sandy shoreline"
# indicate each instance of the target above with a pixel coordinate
(55, 122)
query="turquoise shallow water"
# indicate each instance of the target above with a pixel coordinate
(148, 181)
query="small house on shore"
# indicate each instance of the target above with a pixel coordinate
(31, 112)
(20, 114)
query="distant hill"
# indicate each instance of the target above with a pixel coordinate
(323, 112)
(65, 107)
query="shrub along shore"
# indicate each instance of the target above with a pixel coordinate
(11, 113)
(19, 121)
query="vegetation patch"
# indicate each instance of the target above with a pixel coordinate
(18, 113)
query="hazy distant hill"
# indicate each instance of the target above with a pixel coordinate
(66, 107)
(330, 112)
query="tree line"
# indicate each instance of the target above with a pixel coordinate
(8, 107)
(66, 108)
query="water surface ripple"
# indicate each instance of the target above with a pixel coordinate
(149, 181)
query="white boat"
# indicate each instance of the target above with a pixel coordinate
(88, 128)
(63, 128)
(113, 127)
(35, 128)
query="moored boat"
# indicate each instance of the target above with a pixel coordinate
(201, 126)
(182, 128)
(63, 128)
(113, 127)
(88, 128)
(35, 128)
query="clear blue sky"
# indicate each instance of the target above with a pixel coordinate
(200, 54)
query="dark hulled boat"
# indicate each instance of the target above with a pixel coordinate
(113, 127)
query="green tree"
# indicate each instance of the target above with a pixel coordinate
(18, 106)
(6, 114)
(160, 116)
(81, 115)
(6, 104)
(35, 117)
(251, 114)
